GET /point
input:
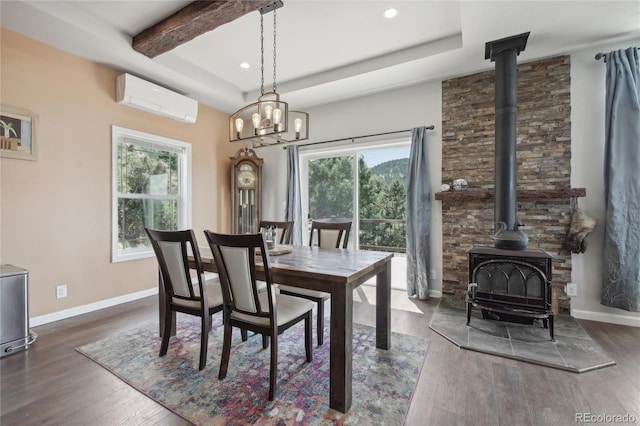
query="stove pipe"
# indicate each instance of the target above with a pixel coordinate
(504, 52)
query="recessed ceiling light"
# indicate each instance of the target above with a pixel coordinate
(390, 13)
(245, 65)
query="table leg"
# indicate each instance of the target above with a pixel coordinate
(383, 308)
(341, 348)
(161, 306)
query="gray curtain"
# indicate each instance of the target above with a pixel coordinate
(621, 269)
(418, 216)
(294, 202)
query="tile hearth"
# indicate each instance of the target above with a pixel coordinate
(574, 350)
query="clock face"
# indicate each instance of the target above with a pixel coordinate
(246, 176)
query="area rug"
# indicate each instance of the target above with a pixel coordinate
(383, 380)
(573, 350)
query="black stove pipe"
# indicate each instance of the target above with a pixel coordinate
(504, 52)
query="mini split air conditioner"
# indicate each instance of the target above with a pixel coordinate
(138, 93)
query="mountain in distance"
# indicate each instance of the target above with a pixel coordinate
(391, 170)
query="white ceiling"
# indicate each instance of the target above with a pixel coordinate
(326, 50)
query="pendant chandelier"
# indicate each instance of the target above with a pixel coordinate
(269, 120)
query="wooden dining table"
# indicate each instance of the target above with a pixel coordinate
(338, 272)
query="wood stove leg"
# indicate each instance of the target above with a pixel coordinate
(469, 307)
(555, 306)
(551, 328)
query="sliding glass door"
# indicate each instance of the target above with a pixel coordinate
(370, 191)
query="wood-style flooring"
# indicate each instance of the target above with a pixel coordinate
(51, 383)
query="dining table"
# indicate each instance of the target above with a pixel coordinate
(338, 272)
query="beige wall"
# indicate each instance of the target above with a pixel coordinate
(55, 213)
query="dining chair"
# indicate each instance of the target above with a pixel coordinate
(331, 234)
(268, 313)
(184, 293)
(284, 229)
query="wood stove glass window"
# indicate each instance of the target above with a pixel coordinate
(510, 278)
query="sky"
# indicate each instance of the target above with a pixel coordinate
(375, 157)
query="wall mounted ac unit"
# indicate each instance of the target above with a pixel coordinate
(138, 93)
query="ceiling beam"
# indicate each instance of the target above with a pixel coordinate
(191, 21)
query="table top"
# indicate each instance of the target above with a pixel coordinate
(325, 264)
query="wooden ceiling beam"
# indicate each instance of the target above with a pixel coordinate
(191, 21)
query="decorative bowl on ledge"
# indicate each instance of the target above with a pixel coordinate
(460, 185)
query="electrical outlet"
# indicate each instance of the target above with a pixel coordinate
(572, 289)
(433, 274)
(61, 291)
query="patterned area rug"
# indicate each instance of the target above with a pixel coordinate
(573, 350)
(383, 381)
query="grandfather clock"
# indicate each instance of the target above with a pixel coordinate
(246, 189)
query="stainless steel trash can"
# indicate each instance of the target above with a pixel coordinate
(14, 310)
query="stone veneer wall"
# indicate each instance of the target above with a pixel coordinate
(543, 157)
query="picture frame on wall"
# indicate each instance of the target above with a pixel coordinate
(18, 133)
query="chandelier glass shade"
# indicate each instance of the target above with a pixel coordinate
(269, 120)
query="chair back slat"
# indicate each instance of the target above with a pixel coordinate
(329, 238)
(176, 274)
(236, 260)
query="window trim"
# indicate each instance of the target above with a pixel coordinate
(185, 188)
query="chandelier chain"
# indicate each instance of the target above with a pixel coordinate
(265, 122)
(261, 55)
(274, 51)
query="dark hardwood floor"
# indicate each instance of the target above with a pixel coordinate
(51, 383)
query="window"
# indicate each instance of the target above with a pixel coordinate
(151, 187)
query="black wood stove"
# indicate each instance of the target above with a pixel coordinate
(508, 281)
(510, 285)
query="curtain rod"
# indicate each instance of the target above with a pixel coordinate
(431, 127)
(601, 55)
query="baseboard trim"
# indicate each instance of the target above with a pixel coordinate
(606, 317)
(79, 310)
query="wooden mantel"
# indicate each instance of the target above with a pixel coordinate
(521, 195)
